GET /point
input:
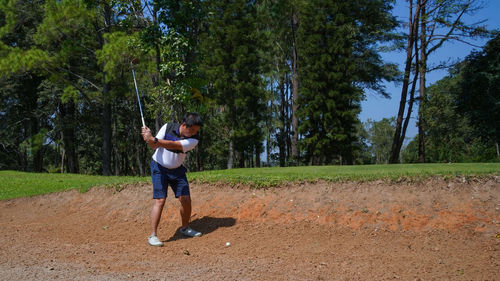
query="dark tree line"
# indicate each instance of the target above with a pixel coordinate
(277, 78)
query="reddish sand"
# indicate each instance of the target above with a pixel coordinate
(432, 230)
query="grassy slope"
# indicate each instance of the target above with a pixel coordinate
(272, 176)
(15, 184)
(19, 184)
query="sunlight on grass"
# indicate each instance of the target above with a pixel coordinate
(15, 184)
(276, 175)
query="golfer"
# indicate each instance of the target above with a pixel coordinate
(170, 145)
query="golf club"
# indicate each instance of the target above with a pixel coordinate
(137, 92)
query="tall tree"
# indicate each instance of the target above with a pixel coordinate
(279, 67)
(411, 55)
(479, 95)
(432, 24)
(337, 60)
(233, 66)
(66, 36)
(448, 133)
(22, 118)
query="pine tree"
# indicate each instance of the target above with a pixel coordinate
(22, 117)
(233, 67)
(337, 61)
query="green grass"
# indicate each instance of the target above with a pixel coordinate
(15, 184)
(19, 184)
(262, 177)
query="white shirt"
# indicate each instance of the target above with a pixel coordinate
(169, 159)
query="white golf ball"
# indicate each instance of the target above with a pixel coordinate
(228, 244)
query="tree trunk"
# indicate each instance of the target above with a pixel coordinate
(63, 153)
(411, 101)
(410, 109)
(295, 87)
(282, 136)
(116, 153)
(106, 107)
(241, 159)
(257, 155)
(106, 131)
(230, 156)
(138, 161)
(423, 69)
(157, 76)
(287, 118)
(413, 21)
(268, 151)
(67, 111)
(37, 149)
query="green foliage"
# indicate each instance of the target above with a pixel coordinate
(459, 110)
(478, 97)
(118, 53)
(18, 61)
(409, 153)
(337, 60)
(380, 136)
(447, 131)
(231, 49)
(17, 54)
(67, 97)
(174, 94)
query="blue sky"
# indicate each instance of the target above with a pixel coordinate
(376, 107)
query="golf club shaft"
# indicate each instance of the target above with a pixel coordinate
(138, 97)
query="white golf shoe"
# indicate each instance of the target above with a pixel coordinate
(154, 241)
(189, 232)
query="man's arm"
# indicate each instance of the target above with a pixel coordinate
(168, 144)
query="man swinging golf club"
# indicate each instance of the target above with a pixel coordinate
(171, 144)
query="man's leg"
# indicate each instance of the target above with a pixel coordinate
(156, 214)
(185, 210)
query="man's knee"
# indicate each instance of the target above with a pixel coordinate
(160, 201)
(185, 200)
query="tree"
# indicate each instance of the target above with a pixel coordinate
(432, 24)
(478, 96)
(400, 130)
(337, 60)
(380, 137)
(364, 153)
(233, 66)
(280, 71)
(458, 110)
(448, 133)
(22, 116)
(65, 36)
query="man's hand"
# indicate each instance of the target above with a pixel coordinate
(146, 135)
(148, 138)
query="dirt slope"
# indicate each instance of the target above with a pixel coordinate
(433, 230)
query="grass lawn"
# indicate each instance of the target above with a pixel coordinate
(15, 184)
(275, 175)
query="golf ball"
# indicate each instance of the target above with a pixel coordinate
(228, 244)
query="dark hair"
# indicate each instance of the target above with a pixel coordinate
(192, 119)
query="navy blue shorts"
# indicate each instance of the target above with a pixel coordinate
(162, 177)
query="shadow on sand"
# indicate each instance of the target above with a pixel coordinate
(205, 225)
